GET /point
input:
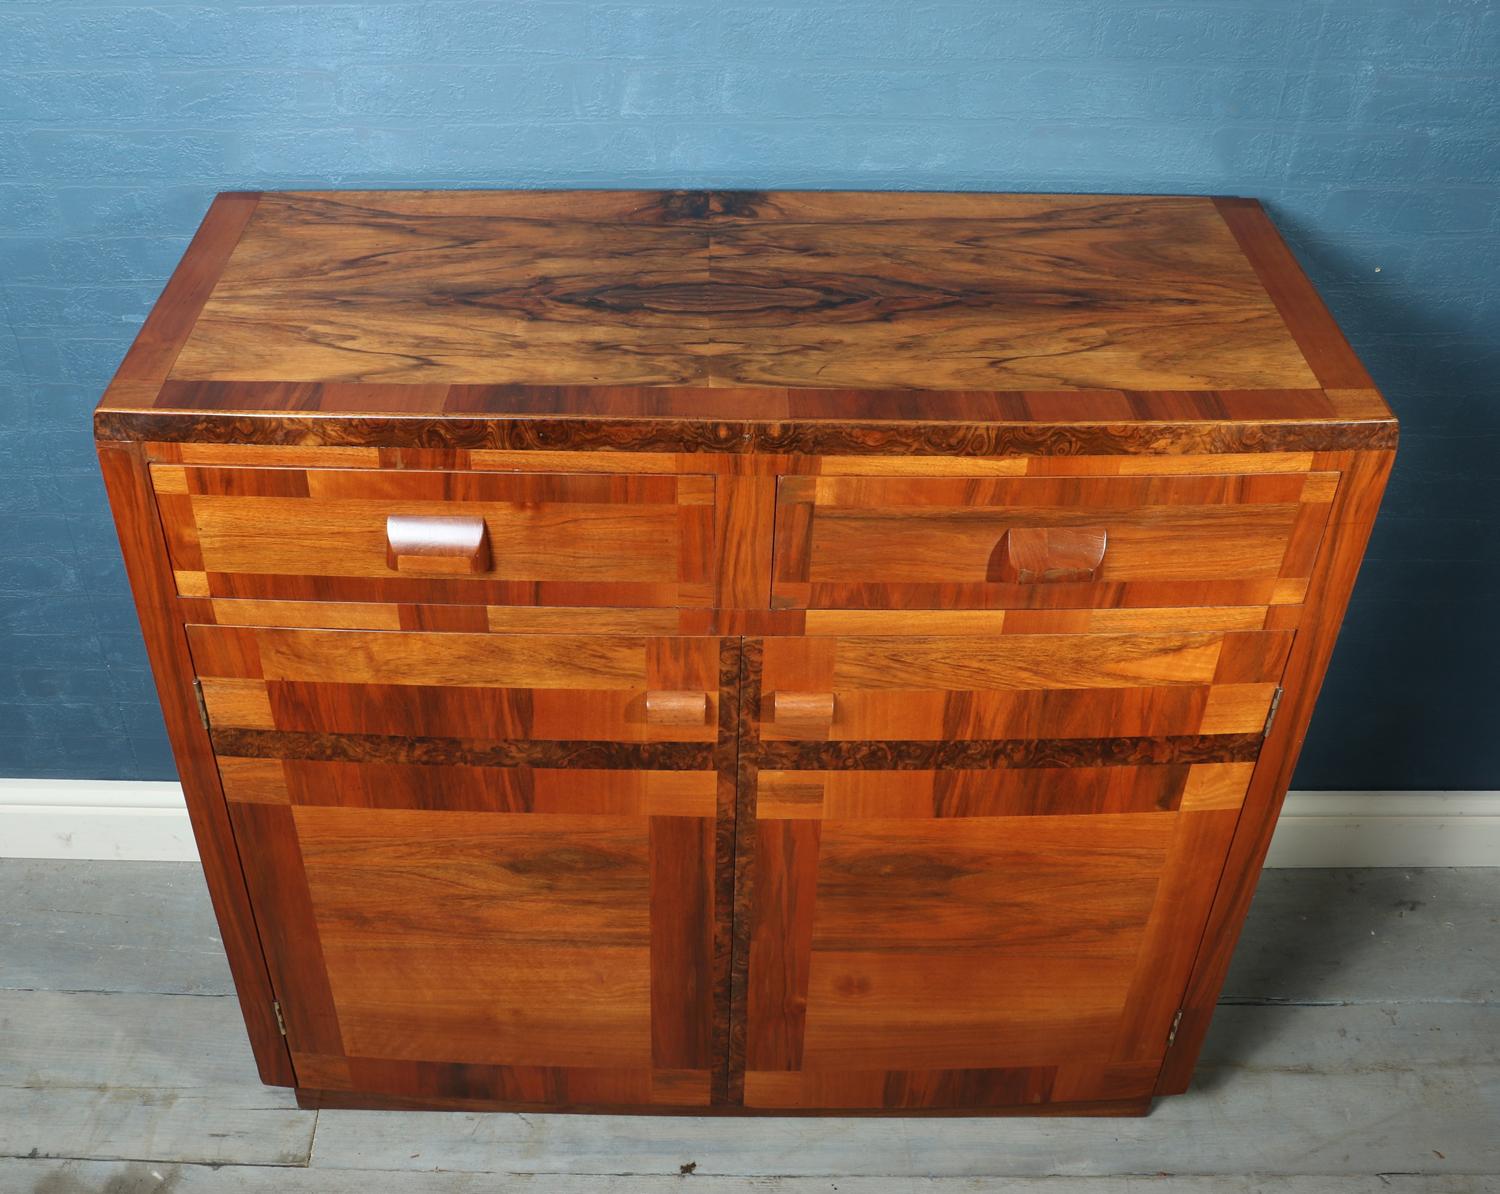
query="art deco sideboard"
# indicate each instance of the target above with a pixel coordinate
(726, 651)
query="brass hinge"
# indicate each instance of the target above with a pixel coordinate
(202, 704)
(281, 1023)
(1171, 1036)
(1271, 712)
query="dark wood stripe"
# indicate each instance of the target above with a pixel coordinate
(312, 1099)
(689, 435)
(1008, 752)
(379, 748)
(748, 403)
(752, 653)
(892, 1090)
(967, 1088)
(542, 1086)
(756, 404)
(726, 753)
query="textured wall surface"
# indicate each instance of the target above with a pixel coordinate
(1371, 127)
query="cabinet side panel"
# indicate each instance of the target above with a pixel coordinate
(151, 582)
(1354, 508)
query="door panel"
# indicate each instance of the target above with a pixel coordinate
(531, 909)
(944, 910)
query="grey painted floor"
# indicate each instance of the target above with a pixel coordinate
(1359, 1050)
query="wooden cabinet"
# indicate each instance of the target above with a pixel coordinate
(735, 651)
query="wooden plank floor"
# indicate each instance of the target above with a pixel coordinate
(1360, 1051)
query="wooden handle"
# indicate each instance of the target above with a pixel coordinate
(676, 708)
(809, 713)
(436, 543)
(1048, 555)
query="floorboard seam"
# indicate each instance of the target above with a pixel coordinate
(34, 1155)
(1265, 1001)
(114, 991)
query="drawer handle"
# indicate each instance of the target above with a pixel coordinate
(1048, 555)
(676, 708)
(436, 543)
(802, 712)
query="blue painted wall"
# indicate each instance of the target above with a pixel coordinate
(1372, 128)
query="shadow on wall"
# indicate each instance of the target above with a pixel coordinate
(1411, 677)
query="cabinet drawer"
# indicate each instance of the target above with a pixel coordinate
(1047, 542)
(458, 537)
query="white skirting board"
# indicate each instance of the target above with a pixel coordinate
(126, 820)
(82, 818)
(1328, 829)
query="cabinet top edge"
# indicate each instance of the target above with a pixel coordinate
(787, 437)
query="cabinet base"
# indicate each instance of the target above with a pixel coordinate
(347, 1100)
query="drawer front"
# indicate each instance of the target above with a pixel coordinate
(497, 538)
(975, 870)
(1047, 542)
(486, 866)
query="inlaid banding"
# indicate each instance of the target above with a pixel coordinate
(692, 435)
(1018, 752)
(377, 748)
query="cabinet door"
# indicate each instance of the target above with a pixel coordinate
(974, 871)
(486, 866)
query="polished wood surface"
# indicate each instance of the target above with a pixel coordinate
(632, 288)
(459, 926)
(920, 542)
(926, 932)
(325, 534)
(739, 321)
(715, 651)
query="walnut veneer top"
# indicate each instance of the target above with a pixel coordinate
(743, 305)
